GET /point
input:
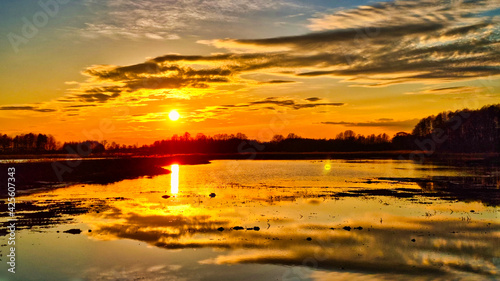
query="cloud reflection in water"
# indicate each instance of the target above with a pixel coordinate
(417, 236)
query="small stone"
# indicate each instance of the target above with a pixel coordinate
(256, 228)
(220, 229)
(309, 239)
(212, 195)
(413, 240)
(358, 228)
(238, 228)
(348, 228)
(165, 196)
(73, 231)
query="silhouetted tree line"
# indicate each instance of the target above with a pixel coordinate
(201, 143)
(240, 143)
(86, 147)
(459, 131)
(27, 143)
(345, 141)
(464, 131)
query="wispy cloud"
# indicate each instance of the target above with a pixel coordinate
(313, 99)
(270, 103)
(403, 12)
(160, 20)
(454, 90)
(28, 108)
(383, 122)
(391, 42)
(382, 44)
(277, 82)
(108, 82)
(293, 104)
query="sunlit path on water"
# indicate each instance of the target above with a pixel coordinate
(174, 179)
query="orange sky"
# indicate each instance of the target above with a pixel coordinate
(114, 69)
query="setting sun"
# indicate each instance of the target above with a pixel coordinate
(174, 115)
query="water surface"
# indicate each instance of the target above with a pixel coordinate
(267, 220)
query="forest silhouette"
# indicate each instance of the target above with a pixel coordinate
(461, 131)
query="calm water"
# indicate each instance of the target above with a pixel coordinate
(301, 220)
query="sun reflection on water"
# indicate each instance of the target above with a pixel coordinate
(174, 180)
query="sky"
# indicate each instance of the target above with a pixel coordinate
(114, 69)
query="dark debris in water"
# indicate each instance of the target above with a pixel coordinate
(462, 188)
(73, 231)
(49, 213)
(255, 228)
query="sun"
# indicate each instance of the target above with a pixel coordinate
(174, 115)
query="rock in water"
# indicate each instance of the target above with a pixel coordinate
(73, 231)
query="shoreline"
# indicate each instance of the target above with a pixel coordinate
(397, 154)
(34, 172)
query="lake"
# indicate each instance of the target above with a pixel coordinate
(266, 220)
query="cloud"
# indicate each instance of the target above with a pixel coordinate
(443, 42)
(218, 112)
(379, 45)
(455, 90)
(165, 20)
(278, 82)
(394, 13)
(313, 99)
(323, 40)
(81, 105)
(99, 97)
(383, 122)
(109, 82)
(390, 42)
(29, 108)
(290, 103)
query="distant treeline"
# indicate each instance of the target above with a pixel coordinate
(28, 143)
(463, 131)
